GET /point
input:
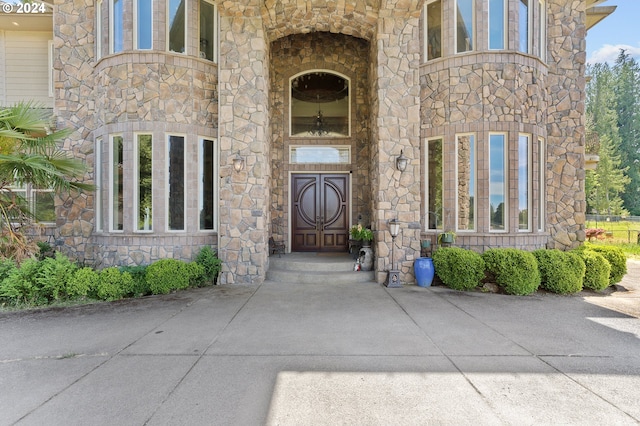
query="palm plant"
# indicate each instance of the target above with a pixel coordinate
(30, 154)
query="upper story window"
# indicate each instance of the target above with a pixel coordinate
(542, 30)
(144, 24)
(497, 24)
(99, 29)
(432, 18)
(176, 29)
(320, 105)
(524, 20)
(208, 34)
(116, 29)
(464, 25)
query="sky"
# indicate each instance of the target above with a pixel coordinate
(619, 30)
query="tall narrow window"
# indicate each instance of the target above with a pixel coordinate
(144, 184)
(99, 29)
(523, 26)
(434, 183)
(542, 210)
(497, 182)
(176, 26)
(50, 53)
(206, 201)
(116, 199)
(542, 30)
(524, 183)
(208, 38)
(176, 198)
(433, 29)
(98, 182)
(116, 30)
(464, 25)
(497, 24)
(44, 205)
(466, 153)
(144, 24)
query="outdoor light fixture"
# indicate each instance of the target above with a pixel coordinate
(238, 163)
(401, 162)
(393, 279)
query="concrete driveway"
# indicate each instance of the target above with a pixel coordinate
(325, 354)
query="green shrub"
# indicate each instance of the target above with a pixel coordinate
(167, 275)
(458, 269)
(207, 257)
(196, 273)
(616, 258)
(113, 284)
(84, 282)
(6, 267)
(514, 270)
(139, 276)
(20, 288)
(45, 250)
(53, 276)
(597, 270)
(560, 272)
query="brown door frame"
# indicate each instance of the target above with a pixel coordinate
(290, 198)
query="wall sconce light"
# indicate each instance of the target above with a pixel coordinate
(401, 162)
(238, 163)
(393, 279)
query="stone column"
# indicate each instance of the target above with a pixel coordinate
(395, 128)
(243, 130)
(566, 204)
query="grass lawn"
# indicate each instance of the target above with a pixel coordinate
(623, 234)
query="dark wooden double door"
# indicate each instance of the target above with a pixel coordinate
(320, 207)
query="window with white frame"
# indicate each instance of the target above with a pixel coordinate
(542, 30)
(51, 53)
(116, 187)
(116, 27)
(524, 24)
(524, 183)
(497, 24)
(432, 20)
(464, 24)
(144, 182)
(143, 22)
(176, 183)
(466, 182)
(208, 30)
(176, 26)
(497, 182)
(98, 181)
(207, 170)
(40, 203)
(542, 165)
(434, 183)
(98, 29)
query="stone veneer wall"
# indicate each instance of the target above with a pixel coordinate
(566, 205)
(290, 56)
(154, 92)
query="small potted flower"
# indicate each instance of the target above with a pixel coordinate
(360, 233)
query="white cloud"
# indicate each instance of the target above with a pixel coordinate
(609, 53)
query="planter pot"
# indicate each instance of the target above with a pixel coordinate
(424, 271)
(446, 238)
(366, 258)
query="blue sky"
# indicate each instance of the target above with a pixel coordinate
(619, 30)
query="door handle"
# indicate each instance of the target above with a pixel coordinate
(318, 224)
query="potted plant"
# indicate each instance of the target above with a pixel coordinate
(448, 237)
(360, 233)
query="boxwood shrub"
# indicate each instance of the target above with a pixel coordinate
(458, 269)
(597, 270)
(167, 275)
(560, 272)
(84, 282)
(113, 284)
(616, 258)
(514, 270)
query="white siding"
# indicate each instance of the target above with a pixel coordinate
(27, 67)
(2, 70)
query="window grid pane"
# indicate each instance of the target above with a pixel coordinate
(144, 23)
(176, 183)
(433, 29)
(177, 26)
(497, 183)
(116, 184)
(523, 26)
(206, 203)
(145, 183)
(44, 206)
(496, 24)
(434, 184)
(464, 26)
(118, 29)
(207, 30)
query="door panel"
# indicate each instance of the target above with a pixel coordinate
(320, 212)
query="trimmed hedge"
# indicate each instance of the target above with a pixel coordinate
(167, 275)
(616, 258)
(514, 270)
(560, 272)
(458, 269)
(596, 276)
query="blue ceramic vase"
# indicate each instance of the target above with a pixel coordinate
(424, 271)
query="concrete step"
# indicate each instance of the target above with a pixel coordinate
(312, 268)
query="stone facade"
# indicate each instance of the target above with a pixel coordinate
(398, 101)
